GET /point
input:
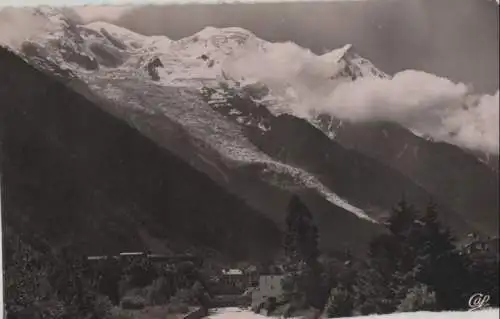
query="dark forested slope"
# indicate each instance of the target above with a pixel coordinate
(73, 174)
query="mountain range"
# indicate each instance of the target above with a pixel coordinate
(141, 142)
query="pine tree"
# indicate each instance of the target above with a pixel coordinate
(439, 264)
(393, 255)
(394, 252)
(402, 219)
(301, 248)
(301, 237)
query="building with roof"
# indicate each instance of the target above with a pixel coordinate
(269, 286)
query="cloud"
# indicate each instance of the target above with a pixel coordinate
(402, 98)
(101, 12)
(18, 24)
(477, 127)
(423, 102)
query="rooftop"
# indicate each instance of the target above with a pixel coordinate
(232, 272)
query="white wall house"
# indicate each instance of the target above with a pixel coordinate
(269, 286)
(234, 277)
(232, 272)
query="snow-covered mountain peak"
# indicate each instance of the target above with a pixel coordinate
(56, 19)
(212, 54)
(335, 56)
(294, 79)
(52, 13)
(40, 11)
(119, 32)
(236, 33)
(22, 24)
(216, 45)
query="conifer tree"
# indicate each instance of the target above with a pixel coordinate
(301, 247)
(301, 237)
(440, 266)
(393, 255)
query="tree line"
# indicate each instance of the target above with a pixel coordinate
(416, 265)
(49, 283)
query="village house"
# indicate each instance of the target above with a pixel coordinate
(269, 286)
(252, 276)
(234, 278)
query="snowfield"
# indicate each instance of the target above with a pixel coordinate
(236, 313)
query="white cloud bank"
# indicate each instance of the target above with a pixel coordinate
(106, 12)
(18, 24)
(422, 102)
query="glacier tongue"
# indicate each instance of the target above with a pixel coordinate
(184, 106)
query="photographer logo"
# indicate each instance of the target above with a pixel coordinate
(478, 301)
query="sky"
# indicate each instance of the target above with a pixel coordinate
(18, 3)
(113, 9)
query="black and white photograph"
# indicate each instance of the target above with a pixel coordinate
(233, 160)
